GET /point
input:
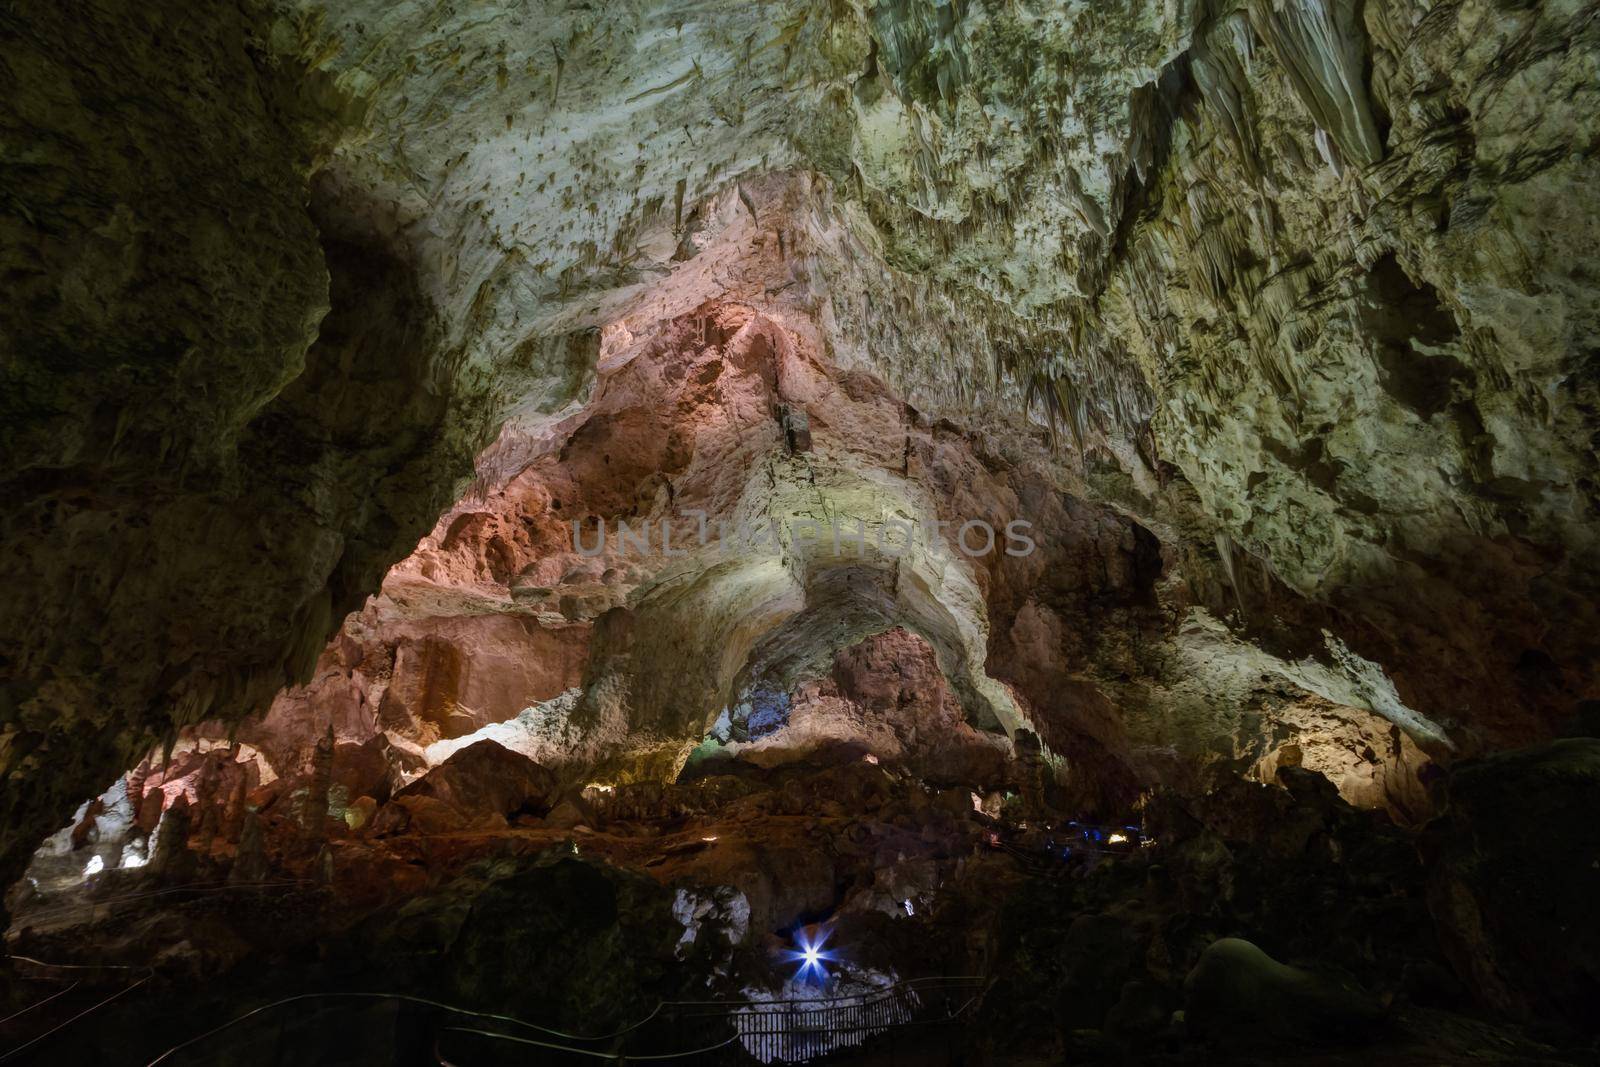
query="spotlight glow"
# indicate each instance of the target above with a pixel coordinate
(811, 956)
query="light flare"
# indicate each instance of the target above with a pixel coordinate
(811, 955)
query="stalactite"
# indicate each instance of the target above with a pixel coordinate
(1220, 73)
(1322, 47)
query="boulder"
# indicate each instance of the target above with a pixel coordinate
(1238, 995)
(571, 813)
(421, 815)
(364, 769)
(487, 779)
(360, 812)
(578, 945)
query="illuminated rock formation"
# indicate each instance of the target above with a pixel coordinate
(441, 435)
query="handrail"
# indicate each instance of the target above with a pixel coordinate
(407, 998)
(39, 1003)
(79, 966)
(839, 998)
(614, 1057)
(63, 1025)
(530, 1041)
(732, 1012)
(845, 1000)
(50, 910)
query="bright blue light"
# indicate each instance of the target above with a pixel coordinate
(811, 956)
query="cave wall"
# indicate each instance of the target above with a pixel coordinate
(1306, 289)
(1367, 317)
(610, 660)
(154, 313)
(228, 404)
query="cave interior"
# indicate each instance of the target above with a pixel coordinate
(993, 532)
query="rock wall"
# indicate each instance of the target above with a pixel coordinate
(883, 698)
(1305, 288)
(229, 404)
(609, 657)
(154, 313)
(1357, 287)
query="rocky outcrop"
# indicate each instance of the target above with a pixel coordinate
(1513, 865)
(133, 362)
(1303, 289)
(485, 779)
(611, 654)
(1365, 423)
(884, 698)
(228, 412)
(1237, 993)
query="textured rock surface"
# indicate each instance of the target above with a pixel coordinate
(1238, 993)
(1515, 869)
(610, 659)
(486, 780)
(1307, 288)
(227, 405)
(1373, 350)
(1277, 319)
(696, 890)
(884, 697)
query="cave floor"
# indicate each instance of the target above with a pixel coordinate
(583, 929)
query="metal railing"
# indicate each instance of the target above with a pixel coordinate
(764, 1031)
(45, 913)
(740, 1032)
(798, 1031)
(76, 1001)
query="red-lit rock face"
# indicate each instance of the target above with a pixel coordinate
(886, 698)
(496, 609)
(1305, 289)
(570, 661)
(611, 663)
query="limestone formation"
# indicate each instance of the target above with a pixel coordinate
(250, 861)
(1237, 994)
(1396, 246)
(172, 859)
(949, 467)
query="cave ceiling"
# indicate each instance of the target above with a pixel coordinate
(1278, 320)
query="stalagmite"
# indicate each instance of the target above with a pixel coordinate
(313, 813)
(250, 860)
(172, 860)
